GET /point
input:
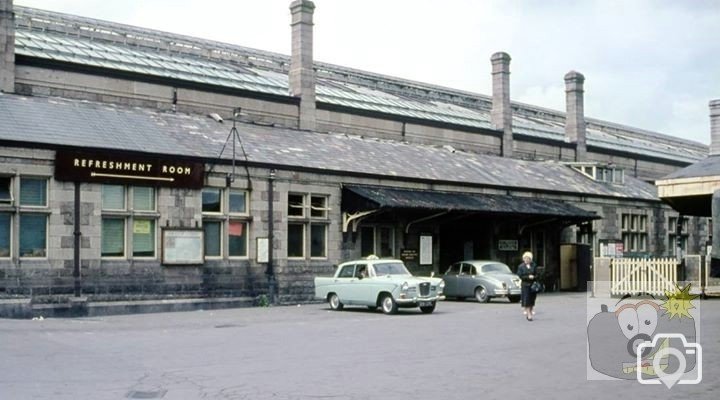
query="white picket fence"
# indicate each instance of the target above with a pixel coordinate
(640, 275)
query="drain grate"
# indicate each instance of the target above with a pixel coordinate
(142, 394)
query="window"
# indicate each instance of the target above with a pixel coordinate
(225, 222)
(6, 190)
(303, 225)
(129, 222)
(634, 232)
(5, 229)
(674, 239)
(211, 200)
(31, 216)
(33, 225)
(379, 241)
(212, 232)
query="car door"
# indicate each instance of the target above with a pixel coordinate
(343, 282)
(357, 286)
(451, 280)
(467, 280)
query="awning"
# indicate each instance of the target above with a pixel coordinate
(357, 198)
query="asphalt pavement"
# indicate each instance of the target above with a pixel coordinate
(464, 350)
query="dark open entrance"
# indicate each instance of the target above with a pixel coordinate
(464, 225)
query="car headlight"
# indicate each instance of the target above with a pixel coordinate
(441, 285)
(404, 287)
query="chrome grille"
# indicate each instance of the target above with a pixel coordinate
(424, 288)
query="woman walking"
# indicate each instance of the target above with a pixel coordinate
(527, 271)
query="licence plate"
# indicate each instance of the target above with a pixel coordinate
(425, 304)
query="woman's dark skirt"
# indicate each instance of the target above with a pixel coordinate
(527, 296)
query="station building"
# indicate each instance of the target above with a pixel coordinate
(141, 165)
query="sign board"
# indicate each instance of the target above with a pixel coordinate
(409, 255)
(426, 250)
(182, 246)
(611, 248)
(507, 245)
(106, 167)
(263, 246)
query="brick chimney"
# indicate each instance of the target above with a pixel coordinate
(501, 114)
(7, 45)
(715, 127)
(575, 117)
(302, 75)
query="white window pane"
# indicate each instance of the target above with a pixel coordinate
(237, 239)
(5, 220)
(113, 197)
(296, 240)
(211, 200)
(143, 238)
(33, 192)
(33, 228)
(211, 231)
(143, 198)
(317, 240)
(238, 204)
(318, 207)
(113, 237)
(296, 205)
(5, 193)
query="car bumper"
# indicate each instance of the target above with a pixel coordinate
(416, 300)
(507, 292)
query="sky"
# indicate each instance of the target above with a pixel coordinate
(648, 64)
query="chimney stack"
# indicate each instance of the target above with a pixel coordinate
(715, 127)
(302, 75)
(7, 46)
(575, 117)
(501, 114)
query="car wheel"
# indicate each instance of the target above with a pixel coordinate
(514, 299)
(335, 303)
(428, 309)
(481, 295)
(389, 306)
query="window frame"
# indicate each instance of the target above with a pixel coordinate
(129, 214)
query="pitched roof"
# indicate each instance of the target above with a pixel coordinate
(66, 38)
(53, 122)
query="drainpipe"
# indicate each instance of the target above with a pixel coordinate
(76, 245)
(270, 272)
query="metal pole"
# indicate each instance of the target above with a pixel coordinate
(76, 245)
(272, 284)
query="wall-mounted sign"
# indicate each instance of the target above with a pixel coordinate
(263, 254)
(507, 245)
(106, 167)
(426, 250)
(182, 246)
(409, 255)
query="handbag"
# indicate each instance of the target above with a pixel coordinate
(536, 287)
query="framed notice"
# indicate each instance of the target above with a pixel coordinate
(507, 245)
(263, 246)
(426, 250)
(182, 246)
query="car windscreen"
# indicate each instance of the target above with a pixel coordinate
(391, 268)
(496, 268)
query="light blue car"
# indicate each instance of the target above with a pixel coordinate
(374, 283)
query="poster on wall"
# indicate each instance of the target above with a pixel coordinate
(182, 246)
(426, 250)
(263, 244)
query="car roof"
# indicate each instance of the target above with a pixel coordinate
(371, 261)
(480, 262)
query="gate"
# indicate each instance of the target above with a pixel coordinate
(640, 275)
